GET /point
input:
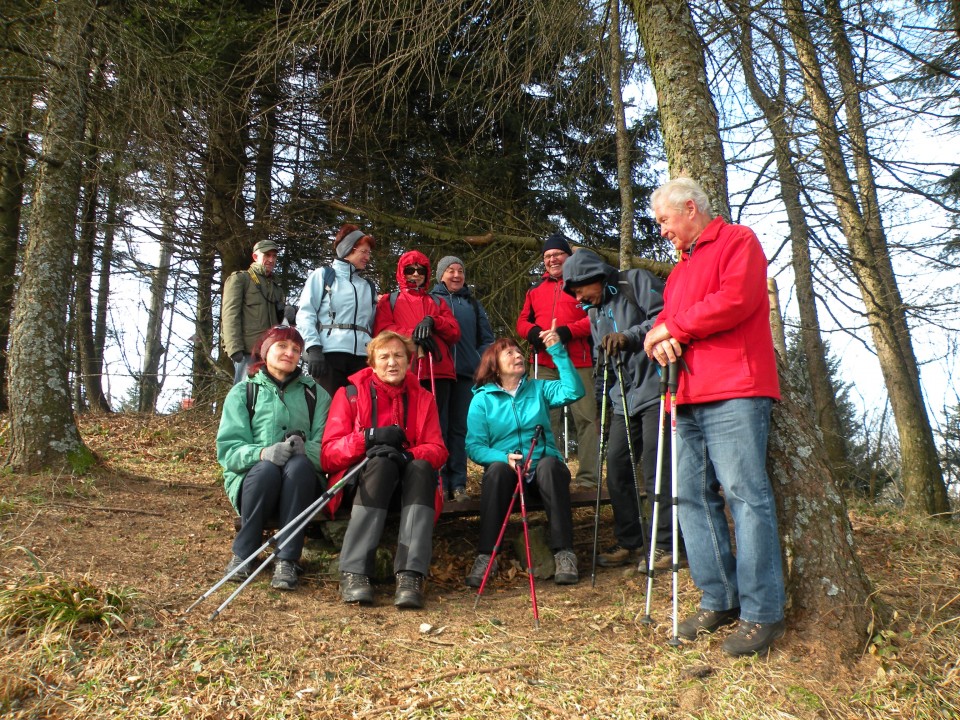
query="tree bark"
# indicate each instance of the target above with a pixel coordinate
(43, 431)
(624, 164)
(103, 286)
(825, 581)
(858, 209)
(150, 382)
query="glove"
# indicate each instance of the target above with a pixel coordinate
(424, 329)
(237, 357)
(400, 457)
(533, 337)
(392, 435)
(614, 343)
(278, 453)
(296, 444)
(290, 315)
(316, 362)
(429, 345)
(563, 332)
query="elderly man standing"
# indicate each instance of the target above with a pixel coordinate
(716, 315)
(252, 304)
(546, 303)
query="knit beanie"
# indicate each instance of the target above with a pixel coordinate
(347, 238)
(446, 262)
(557, 241)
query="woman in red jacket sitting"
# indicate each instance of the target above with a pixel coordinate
(385, 416)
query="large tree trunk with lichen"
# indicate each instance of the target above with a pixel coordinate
(43, 431)
(624, 164)
(859, 214)
(825, 580)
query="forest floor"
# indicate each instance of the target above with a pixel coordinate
(135, 539)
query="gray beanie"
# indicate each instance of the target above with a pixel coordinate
(446, 262)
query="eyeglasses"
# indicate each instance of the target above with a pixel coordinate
(414, 270)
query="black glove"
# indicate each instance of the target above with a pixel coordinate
(533, 337)
(429, 345)
(424, 329)
(563, 332)
(614, 343)
(278, 453)
(400, 457)
(237, 357)
(316, 362)
(392, 435)
(290, 315)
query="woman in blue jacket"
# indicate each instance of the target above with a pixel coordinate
(269, 447)
(506, 410)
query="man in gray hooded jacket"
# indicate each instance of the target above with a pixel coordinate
(622, 307)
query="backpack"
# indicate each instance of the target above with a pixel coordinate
(624, 286)
(309, 394)
(328, 278)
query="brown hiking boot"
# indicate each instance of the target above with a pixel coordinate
(617, 555)
(704, 622)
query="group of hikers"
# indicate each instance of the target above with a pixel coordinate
(402, 388)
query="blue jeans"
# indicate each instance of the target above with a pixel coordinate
(724, 445)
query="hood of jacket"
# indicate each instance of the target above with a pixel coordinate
(584, 267)
(412, 257)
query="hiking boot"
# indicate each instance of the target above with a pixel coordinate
(475, 578)
(284, 575)
(752, 638)
(617, 555)
(356, 588)
(706, 622)
(244, 572)
(566, 568)
(583, 485)
(460, 494)
(409, 590)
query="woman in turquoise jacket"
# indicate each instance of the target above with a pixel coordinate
(506, 410)
(269, 447)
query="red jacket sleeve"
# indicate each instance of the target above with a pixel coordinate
(384, 319)
(444, 322)
(525, 322)
(343, 444)
(428, 444)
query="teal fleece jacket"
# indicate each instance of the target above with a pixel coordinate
(279, 409)
(498, 424)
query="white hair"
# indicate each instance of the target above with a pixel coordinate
(675, 193)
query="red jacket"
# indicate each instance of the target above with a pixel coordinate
(412, 305)
(716, 305)
(344, 445)
(545, 301)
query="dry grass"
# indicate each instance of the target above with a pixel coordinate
(152, 518)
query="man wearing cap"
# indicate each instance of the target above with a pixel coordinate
(336, 310)
(622, 307)
(252, 304)
(546, 304)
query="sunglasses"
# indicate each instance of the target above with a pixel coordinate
(415, 270)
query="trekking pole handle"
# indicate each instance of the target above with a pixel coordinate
(673, 377)
(537, 433)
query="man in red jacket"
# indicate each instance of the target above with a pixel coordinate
(716, 314)
(545, 304)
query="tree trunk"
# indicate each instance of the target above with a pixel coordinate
(924, 489)
(624, 164)
(674, 52)
(774, 110)
(263, 170)
(14, 141)
(103, 289)
(825, 581)
(43, 431)
(154, 349)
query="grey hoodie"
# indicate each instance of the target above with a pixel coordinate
(632, 299)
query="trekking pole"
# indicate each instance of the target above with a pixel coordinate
(522, 471)
(673, 382)
(300, 521)
(646, 619)
(433, 383)
(633, 457)
(566, 434)
(601, 367)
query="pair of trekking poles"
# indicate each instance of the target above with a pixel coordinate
(278, 541)
(669, 381)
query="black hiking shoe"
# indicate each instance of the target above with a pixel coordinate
(706, 622)
(284, 575)
(356, 588)
(475, 578)
(409, 590)
(244, 572)
(752, 638)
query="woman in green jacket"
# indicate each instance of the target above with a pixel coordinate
(269, 447)
(506, 410)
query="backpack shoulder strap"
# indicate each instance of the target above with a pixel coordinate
(393, 302)
(252, 391)
(626, 287)
(310, 395)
